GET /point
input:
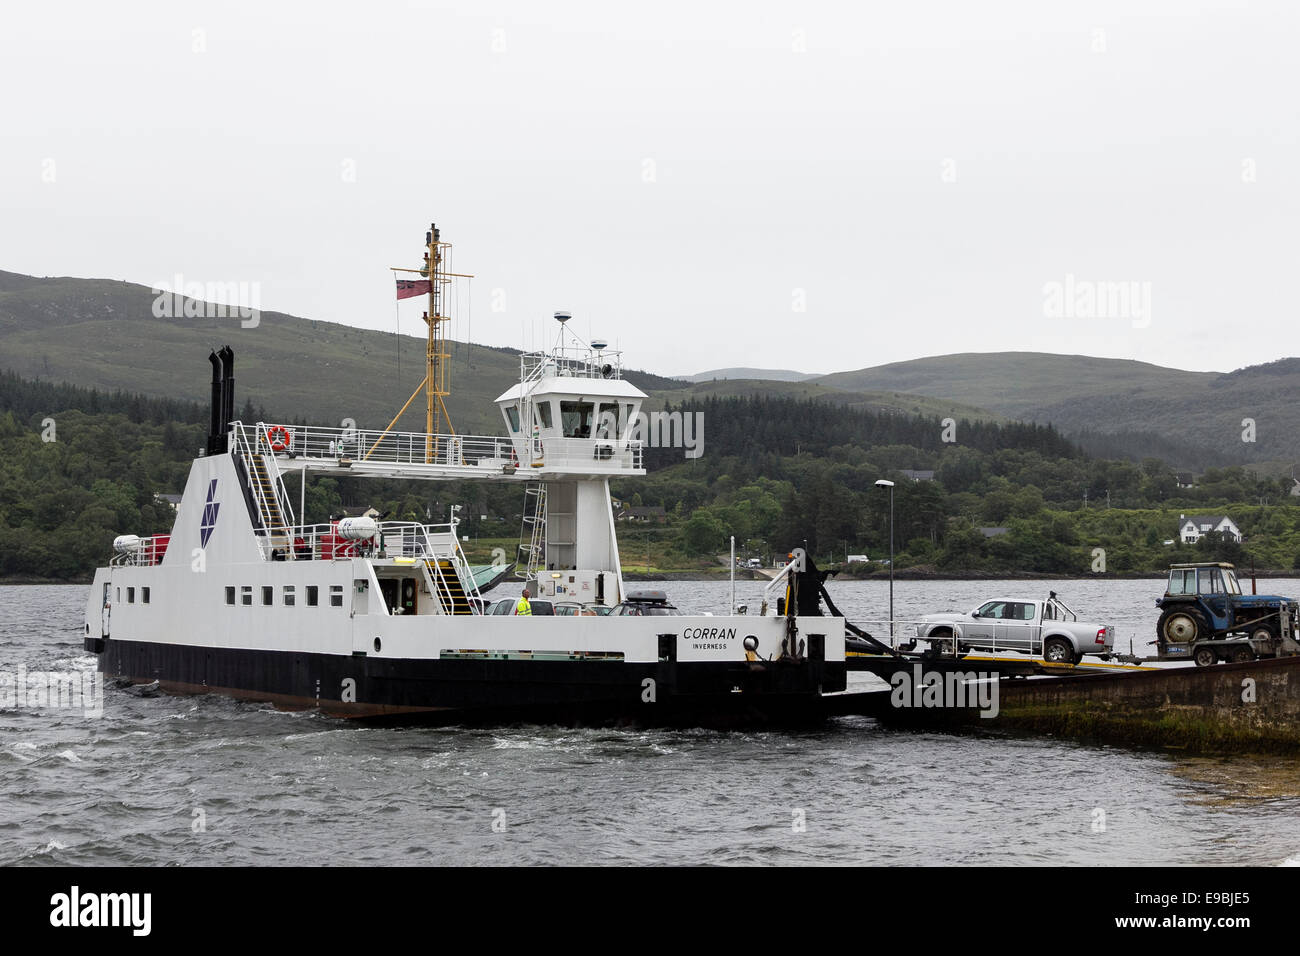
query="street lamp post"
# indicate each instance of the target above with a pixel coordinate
(885, 483)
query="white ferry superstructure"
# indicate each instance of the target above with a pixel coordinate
(365, 618)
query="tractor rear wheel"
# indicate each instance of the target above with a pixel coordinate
(1182, 625)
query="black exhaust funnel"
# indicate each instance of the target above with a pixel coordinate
(228, 388)
(216, 437)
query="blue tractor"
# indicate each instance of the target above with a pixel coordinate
(1204, 617)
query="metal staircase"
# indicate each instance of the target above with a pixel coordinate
(449, 587)
(271, 500)
(532, 536)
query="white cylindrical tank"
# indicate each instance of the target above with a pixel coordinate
(358, 529)
(126, 543)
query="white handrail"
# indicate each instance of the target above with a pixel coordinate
(353, 446)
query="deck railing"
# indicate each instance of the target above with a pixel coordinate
(577, 362)
(355, 446)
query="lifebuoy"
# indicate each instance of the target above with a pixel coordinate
(281, 444)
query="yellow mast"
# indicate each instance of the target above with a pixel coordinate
(437, 371)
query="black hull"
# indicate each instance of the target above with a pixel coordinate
(482, 690)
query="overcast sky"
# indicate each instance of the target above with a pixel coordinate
(788, 185)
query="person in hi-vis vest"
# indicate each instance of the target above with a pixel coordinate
(523, 607)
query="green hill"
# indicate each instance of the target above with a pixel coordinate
(103, 334)
(873, 401)
(1193, 419)
(760, 374)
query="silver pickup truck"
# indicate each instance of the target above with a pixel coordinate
(1025, 625)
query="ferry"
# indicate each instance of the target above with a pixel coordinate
(377, 619)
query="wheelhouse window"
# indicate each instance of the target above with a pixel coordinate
(512, 415)
(313, 593)
(608, 423)
(230, 595)
(576, 418)
(544, 413)
(290, 595)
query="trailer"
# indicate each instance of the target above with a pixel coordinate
(1205, 618)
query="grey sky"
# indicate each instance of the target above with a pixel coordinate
(919, 171)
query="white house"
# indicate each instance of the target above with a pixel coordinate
(1192, 529)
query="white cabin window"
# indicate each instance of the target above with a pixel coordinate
(230, 595)
(336, 595)
(576, 418)
(246, 595)
(268, 595)
(144, 595)
(312, 592)
(290, 597)
(130, 595)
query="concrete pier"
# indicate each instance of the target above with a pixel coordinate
(1252, 707)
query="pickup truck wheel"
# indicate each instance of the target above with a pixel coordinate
(1183, 625)
(941, 642)
(1205, 656)
(1058, 651)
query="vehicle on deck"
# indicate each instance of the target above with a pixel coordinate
(572, 609)
(646, 604)
(1204, 617)
(1023, 625)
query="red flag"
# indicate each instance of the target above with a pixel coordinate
(409, 287)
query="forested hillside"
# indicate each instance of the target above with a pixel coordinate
(80, 466)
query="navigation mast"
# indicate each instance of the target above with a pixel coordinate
(437, 370)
